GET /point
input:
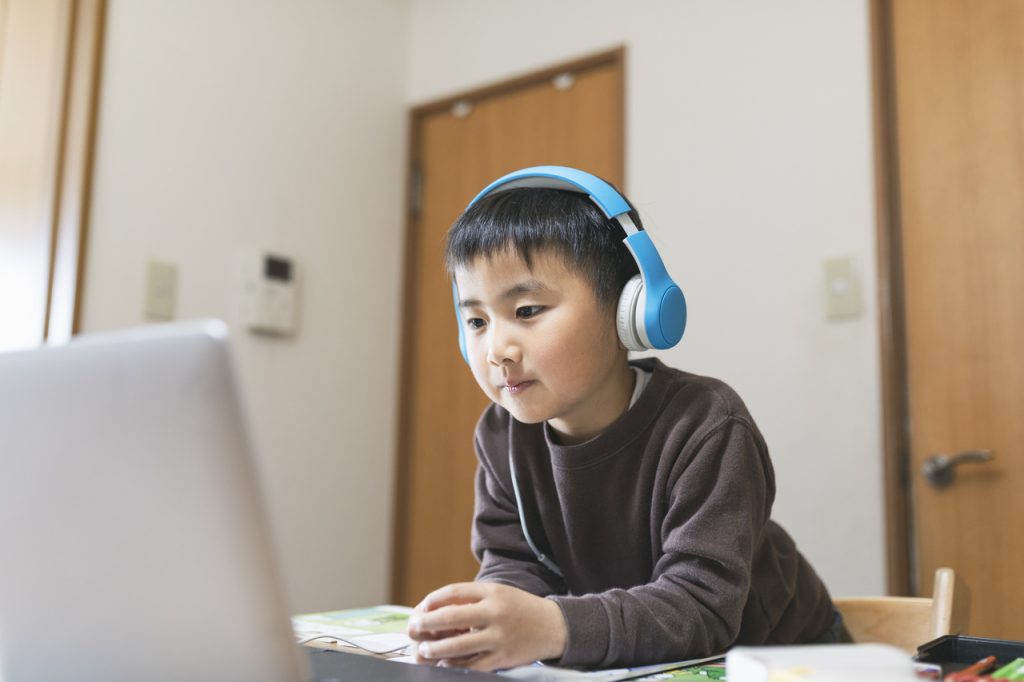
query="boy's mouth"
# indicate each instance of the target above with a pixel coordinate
(514, 387)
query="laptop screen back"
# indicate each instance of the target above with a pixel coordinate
(132, 533)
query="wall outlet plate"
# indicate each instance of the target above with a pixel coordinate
(842, 289)
(161, 295)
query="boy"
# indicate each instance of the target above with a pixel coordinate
(622, 509)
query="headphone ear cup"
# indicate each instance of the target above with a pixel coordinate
(625, 316)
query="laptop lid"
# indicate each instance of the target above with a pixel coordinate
(133, 544)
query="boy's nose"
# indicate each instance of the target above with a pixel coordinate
(502, 349)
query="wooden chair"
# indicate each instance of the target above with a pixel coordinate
(907, 622)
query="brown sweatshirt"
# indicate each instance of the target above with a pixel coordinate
(660, 526)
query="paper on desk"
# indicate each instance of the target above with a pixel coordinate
(386, 643)
(378, 629)
(546, 673)
(382, 630)
(375, 619)
(820, 663)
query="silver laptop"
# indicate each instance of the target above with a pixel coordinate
(133, 544)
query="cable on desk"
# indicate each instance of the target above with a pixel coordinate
(306, 640)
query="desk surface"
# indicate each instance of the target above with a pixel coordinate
(327, 665)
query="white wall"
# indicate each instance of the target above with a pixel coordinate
(232, 125)
(749, 157)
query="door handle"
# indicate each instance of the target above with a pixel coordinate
(940, 470)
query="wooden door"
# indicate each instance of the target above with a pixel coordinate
(959, 94)
(569, 115)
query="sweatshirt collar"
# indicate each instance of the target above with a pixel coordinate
(622, 432)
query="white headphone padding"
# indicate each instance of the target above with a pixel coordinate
(625, 316)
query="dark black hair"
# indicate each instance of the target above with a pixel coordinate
(532, 219)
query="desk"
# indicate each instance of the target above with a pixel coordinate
(327, 665)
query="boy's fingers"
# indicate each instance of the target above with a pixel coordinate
(445, 662)
(429, 635)
(454, 648)
(460, 617)
(488, 662)
(463, 662)
(456, 593)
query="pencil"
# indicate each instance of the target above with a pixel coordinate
(972, 670)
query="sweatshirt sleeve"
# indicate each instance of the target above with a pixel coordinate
(719, 504)
(497, 539)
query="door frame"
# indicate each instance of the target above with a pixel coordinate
(900, 573)
(615, 56)
(72, 195)
(62, 143)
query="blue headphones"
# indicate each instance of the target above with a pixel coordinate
(652, 310)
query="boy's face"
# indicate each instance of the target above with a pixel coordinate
(541, 345)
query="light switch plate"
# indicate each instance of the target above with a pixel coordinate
(161, 290)
(842, 289)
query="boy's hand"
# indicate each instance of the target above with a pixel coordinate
(486, 626)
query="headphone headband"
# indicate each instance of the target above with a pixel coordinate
(652, 309)
(601, 193)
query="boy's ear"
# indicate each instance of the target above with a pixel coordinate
(615, 329)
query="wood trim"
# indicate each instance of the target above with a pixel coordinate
(4, 7)
(72, 194)
(891, 307)
(620, 58)
(416, 114)
(614, 56)
(99, 36)
(56, 191)
(402, 455)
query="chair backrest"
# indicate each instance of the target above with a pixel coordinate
(907, 622)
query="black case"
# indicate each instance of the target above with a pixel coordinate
(956, 652)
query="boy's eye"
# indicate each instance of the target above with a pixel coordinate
(475, 323)
(528, 311)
